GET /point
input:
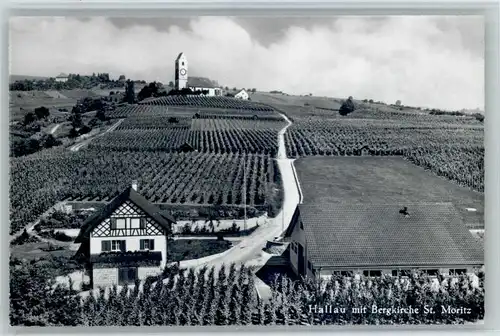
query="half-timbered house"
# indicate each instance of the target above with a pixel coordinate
(125, 241)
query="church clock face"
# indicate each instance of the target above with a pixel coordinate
(183, 72)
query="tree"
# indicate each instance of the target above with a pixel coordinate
(42, 112)
(398, 102)
(153, 89)
(29, 118)
(129, 92)
(84, 130)
(347, 106)
(101, 115)
(48, 140)
(76, 119)
(73, 133)
(121, 78)
(171, 84)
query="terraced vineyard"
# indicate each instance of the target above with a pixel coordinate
(191, 112)
(127, 110)
(42, 179)
(213, 102)
(259, 141)
(450, 146)
(155, 122)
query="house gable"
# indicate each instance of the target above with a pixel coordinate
(132, 201)
(127, 211)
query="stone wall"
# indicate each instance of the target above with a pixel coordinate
(105, 277)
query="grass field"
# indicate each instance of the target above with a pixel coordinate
(286, 101)
(325, 180)
(32, 251)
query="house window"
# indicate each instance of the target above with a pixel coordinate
(118, 223)
(372, 273)
(147, 244)
(431, 271)
(137, 223)
(105, 245)
(118, 245)
(457, 271)
(401, 272)
(112, 245)
(301, 225)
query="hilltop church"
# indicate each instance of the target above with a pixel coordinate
(182, 80)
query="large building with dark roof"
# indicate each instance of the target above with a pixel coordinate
(374, 239)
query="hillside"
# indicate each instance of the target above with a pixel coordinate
(13, 78)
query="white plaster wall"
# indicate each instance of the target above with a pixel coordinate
(133, 244)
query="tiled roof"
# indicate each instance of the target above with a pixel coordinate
(180, 55)
(200, 82)
(378, 234)
(128, 194)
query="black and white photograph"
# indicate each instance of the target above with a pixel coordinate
(246, 171)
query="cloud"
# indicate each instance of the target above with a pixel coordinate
(424, 61)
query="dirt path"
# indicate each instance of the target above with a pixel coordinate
(54, 129)
(85, 142)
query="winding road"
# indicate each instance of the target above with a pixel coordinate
(85, 142)
(54, 129)
(250, 248)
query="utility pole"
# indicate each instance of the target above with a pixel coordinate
(283, 217)
(244, 193)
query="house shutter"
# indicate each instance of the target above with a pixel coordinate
(142, 244)
(151, 244)
(113, 223)
(142, 225)
(122, 246)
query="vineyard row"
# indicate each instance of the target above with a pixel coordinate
(263, 141)
(227, 297)
(212, 102)
(39, 181)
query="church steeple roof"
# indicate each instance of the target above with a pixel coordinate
(179, 57)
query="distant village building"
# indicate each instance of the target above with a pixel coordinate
(242, 94)
(376, 239)
(62, 78)
(182, 81)
(125, 241)
(186, 147)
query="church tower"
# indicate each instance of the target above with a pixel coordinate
(181, 72)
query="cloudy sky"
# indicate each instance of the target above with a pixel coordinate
(423, 61)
